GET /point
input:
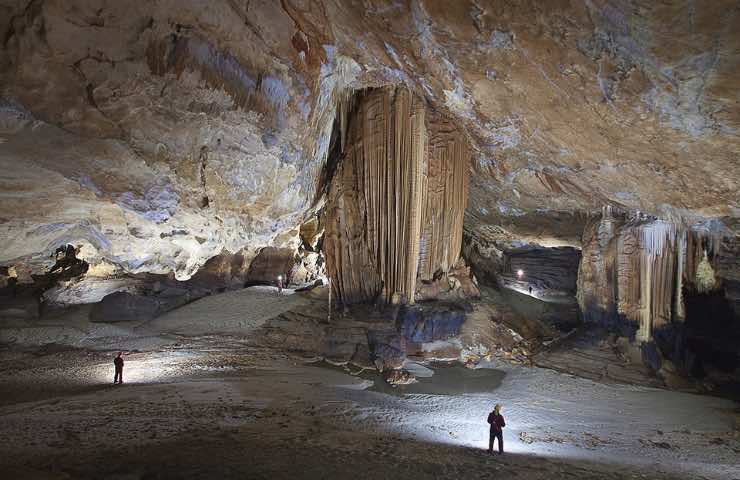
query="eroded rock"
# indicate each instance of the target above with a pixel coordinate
(125, 307)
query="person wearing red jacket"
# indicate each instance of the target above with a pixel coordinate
(497, 424)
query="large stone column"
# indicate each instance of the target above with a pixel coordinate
(395, 205)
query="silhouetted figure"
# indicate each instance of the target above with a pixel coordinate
(530, 289)
(497, 424)
(118, 363)
(280, 285)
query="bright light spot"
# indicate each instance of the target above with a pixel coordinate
(141, 368)
(520, 273)
(280, 277)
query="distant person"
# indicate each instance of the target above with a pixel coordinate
(497, 424)
(530, 289)
(280, 285)
(118, 363)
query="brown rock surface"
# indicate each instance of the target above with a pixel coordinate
(161, 134)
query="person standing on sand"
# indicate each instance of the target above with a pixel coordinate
(118, 363)
(497, 424)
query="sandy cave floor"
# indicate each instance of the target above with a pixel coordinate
(219, 407)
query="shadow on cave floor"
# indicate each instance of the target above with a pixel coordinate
(592, 353)
(310, 453)
(712, 331)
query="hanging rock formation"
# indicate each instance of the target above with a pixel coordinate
(395, 206)
(635, 270)
(161, 134)
(637, 274)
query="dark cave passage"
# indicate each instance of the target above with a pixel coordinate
(711, 334)
(551, 273)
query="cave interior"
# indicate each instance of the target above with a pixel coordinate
(380, 186)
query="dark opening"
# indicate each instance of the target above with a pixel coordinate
(711, 333)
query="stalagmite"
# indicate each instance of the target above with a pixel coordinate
(704, 275)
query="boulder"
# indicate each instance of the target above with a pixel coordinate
(400, 377)
(124, 307)
(419, 324)
(387, 349)
(225, 270)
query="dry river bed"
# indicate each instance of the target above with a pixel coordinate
(214, 407)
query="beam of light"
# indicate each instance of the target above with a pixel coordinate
(143, 368)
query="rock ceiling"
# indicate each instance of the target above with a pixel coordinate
(160, 133)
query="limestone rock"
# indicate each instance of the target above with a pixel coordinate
(362, 357)
(124, 307)
(387, 349)
(424, 324)
(225, 269)
(311, 233)
(162, 134)
(309, 270)
(400, 377)
(270, 263)
(404, 166)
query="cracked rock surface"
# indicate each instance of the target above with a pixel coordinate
(157, 135)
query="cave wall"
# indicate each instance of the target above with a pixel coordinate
(396, 203)
(632, 270)
(158, 135)
(636, 270)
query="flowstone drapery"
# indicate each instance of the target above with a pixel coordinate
(635, 270)
(396, 203)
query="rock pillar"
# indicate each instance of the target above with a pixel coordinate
(395, 205)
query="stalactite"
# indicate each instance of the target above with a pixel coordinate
(657, 242)
(380, 205)
(679, 312)
(446, 195)
(655, 261)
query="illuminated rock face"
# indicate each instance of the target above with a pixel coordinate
(395, 206)
(669, 287)
(158, 135)
(636, 270)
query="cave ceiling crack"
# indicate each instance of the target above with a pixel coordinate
(89, 87)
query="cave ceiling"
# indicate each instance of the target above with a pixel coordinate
(162, 133)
